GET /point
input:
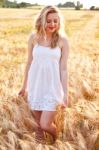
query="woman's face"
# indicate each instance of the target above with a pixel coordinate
(52, 22)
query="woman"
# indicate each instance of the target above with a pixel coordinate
(46, 70)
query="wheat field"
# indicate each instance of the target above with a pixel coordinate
(79, 123)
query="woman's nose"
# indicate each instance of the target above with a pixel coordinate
(52, 23)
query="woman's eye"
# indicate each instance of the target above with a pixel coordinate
(55, 21)
(49, 21)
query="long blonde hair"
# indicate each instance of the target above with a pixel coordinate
(41, 22)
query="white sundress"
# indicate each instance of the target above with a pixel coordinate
(44, 86)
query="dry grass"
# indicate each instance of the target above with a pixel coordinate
(97, 32)
(73, 24)
(79, 125)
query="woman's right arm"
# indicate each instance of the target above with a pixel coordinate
(30, 58)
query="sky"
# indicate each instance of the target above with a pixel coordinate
(86, 3)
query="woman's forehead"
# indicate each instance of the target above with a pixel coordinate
(53, 15)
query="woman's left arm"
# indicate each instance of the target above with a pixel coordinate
(64, 68)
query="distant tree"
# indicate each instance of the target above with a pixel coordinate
(4, 4)
(24, 4)
(1, 2)
(67, 4)
(97, 8)
(59, 5)
(36, 4)
(7, 3)
(78, 6)
(92, 8)
(81, 5)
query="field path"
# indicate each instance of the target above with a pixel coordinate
(87, 34)
(84, 55)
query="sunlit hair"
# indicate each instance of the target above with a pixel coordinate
(40, 24)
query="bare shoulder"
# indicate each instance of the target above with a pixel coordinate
(64, 42)
(32, 38)
(64, 45)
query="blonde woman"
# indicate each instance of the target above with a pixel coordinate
(46, 70)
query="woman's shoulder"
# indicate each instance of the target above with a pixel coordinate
(32, 38)
(63, 40)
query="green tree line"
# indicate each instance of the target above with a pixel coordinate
(14, 4)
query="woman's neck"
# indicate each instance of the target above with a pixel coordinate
(48, 36)
(45, 40)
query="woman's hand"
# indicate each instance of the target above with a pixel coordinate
(65, 104)
(22, 92)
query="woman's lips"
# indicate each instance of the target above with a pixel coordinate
(51, 28)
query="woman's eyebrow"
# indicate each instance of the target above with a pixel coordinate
(52, 18)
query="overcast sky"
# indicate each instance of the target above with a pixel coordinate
(86, 3)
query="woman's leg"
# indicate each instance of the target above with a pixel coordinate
(38, 131)
(37, 115)
(46, 122)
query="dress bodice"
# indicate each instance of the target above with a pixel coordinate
(45, 53)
